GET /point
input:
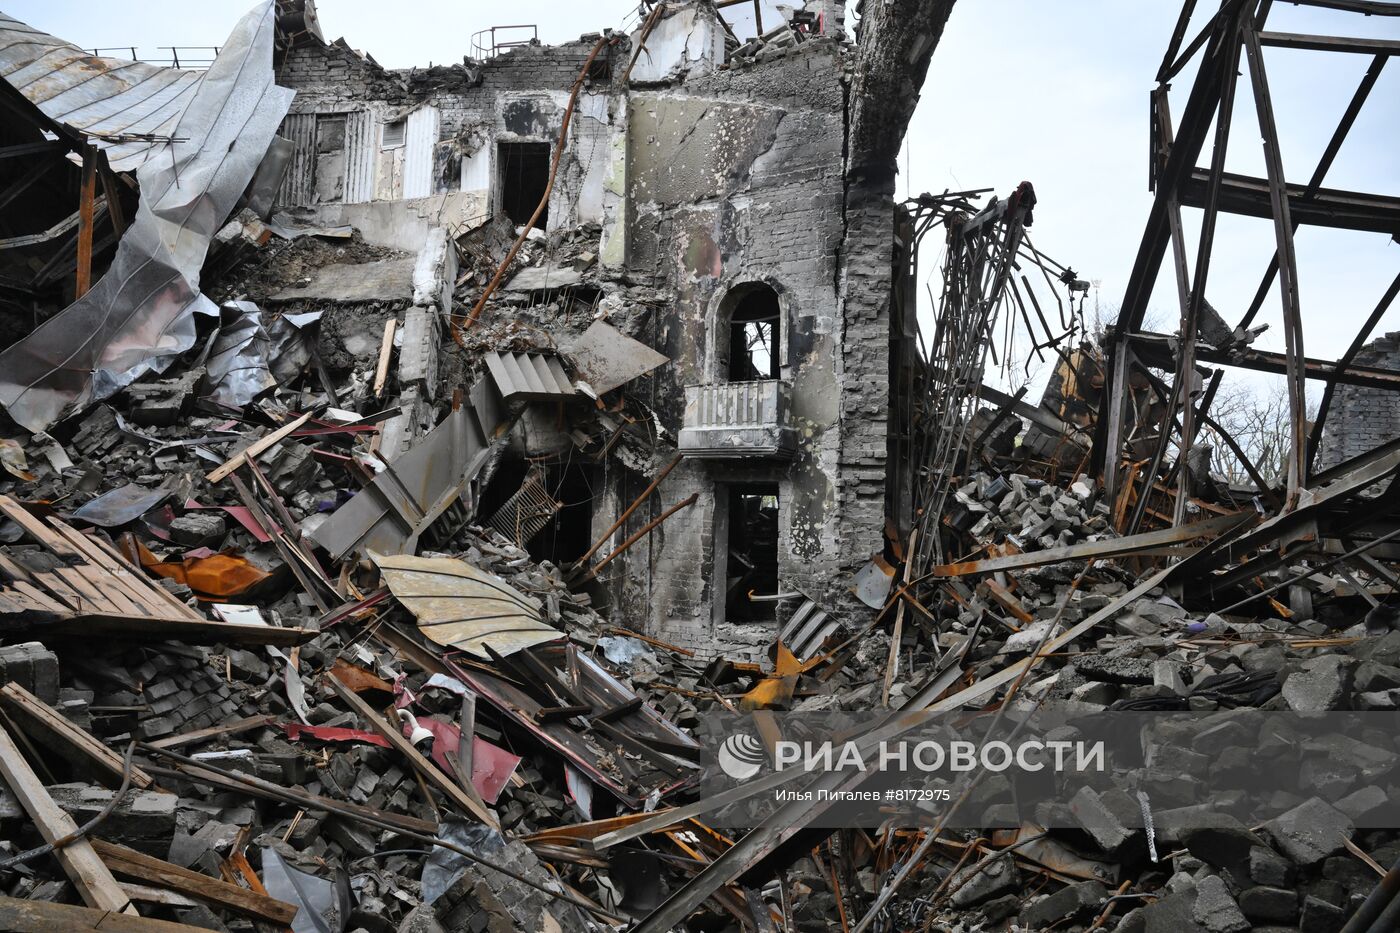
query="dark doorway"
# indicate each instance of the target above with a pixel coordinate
(545, 508)
(753, 552)
(754, 331)
(523, 175)
(570, 533)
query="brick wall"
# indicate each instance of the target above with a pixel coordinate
(1361, 418)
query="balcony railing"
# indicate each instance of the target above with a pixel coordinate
(738, 419)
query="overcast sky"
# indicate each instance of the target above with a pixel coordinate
(1052, 92)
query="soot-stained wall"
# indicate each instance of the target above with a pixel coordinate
(705, 178)
(735, 177)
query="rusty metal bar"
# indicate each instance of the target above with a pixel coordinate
(645, 530)
(1192, 312)
(646, 493)
(1288, 267)
(1324, 164)
(1107, 548)
(544, 198)
(652, 19)
(1183, 20)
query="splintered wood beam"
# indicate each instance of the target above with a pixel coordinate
(138, 865)
(89, 875)
(45, 725)
(460, 799)
(47, 917)
(256, 449)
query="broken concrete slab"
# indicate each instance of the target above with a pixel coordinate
(1310, 831)
(382, 280)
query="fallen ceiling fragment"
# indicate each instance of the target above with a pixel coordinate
(608, 358)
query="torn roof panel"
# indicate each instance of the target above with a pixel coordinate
(140, 314)
(607, 358)
(106, 98)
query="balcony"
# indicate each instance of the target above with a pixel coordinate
(738, 419)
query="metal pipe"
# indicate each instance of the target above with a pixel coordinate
(643, 532)
(87, 827)
(1381, 895)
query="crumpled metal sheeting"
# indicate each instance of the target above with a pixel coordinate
(387, 514)
(460, 606)
(253, 355)
(101, 97)
(238, 359)
(140, 314)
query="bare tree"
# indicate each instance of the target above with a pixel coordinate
(1257, 418)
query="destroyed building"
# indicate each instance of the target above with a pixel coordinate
(717, 186)
(452, 498)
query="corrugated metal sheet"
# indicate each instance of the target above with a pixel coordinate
(300, 128)
(106, 98)
(528, 375)
(361, 151)
(420, 136)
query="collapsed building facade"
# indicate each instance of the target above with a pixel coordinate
(716, 185)
(416, 480)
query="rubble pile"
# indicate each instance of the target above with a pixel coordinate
(478, 582)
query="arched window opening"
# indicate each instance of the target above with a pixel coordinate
(755, 329)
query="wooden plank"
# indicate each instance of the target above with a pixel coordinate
(93, 598)
(199, 735)
(58, 588)
(34, 712)
(103, 552)
(256, 449)
(386, 349)
(149, 895)
(92, 879)
(44, 600)
(132, 864)
(140, 590)
(420, 764)
(35, 528)
(20, 916)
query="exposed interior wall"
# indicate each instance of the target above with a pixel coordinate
(361, 133)
(704, 180)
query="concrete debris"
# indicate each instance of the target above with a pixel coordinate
(546, 408)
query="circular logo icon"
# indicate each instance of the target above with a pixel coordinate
(741, 756)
